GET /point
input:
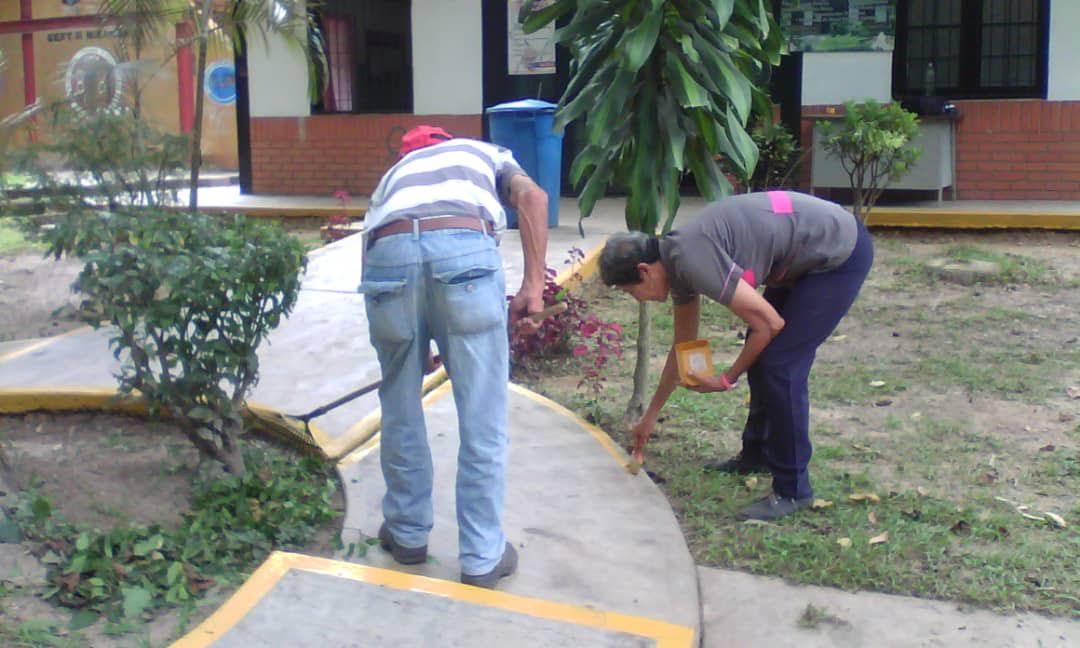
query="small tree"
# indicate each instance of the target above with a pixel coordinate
(873, 143)
(663, 88)
(190, 297)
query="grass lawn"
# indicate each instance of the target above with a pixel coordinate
(943, 424)
(11, 239)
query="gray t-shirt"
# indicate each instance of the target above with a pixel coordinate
(772, 237)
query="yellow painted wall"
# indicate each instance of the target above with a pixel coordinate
(9, 10)
(95, 46)
(11, 85)
(58, 9)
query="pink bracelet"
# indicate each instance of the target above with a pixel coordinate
(724, 382)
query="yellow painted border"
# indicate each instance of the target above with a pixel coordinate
(363, 431)
(966, 218)
(574, 276)
(269, 211)
(41, 344)
(602, 437)
(107, 399)
(666, 635)
(364, 449)
(21, 401)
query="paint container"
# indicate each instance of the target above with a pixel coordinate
(696, 357)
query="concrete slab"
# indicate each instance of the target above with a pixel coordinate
(588, 532)
(744, 610)
(301, 601)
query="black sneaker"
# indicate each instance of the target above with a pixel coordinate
(740, 464)
(772, 506)
(507, 565)
(404, 555)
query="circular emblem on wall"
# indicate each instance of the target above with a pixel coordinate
(221, 82)
(91, 82)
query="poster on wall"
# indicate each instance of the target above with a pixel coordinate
(91, 82)
(839, 25)
(529, 53)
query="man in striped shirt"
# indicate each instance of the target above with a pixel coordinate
(432, 271)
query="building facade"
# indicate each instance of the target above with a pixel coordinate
(1008, 65)
(57, 49)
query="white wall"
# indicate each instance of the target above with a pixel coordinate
(447, 57)
(1064, 82)
(836, 77)
(277, 78)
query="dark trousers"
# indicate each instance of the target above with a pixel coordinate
(778, 425)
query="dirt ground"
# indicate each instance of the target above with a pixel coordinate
(36, 299)
(102, 470)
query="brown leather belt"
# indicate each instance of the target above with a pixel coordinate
(428, 224)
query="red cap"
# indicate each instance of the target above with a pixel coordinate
(421, 136)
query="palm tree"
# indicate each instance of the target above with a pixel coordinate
(229, 22)
(665, 87)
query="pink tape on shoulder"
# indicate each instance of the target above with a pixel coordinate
(781, 202)
(749, 277)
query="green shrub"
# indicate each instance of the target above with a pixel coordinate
(778, 156)
(873, 143)
(190, 298)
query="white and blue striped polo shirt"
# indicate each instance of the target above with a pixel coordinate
(459, 177)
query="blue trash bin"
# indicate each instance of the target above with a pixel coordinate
(525, 127)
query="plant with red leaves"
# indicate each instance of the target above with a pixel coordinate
(337, 225)
(573, 332)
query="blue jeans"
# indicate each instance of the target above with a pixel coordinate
(778, 423)
(445, 285)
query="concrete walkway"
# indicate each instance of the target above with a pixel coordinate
(603, 561)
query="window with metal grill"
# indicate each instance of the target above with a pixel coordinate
(971, 48)
(368, 47)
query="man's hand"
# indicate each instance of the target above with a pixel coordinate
(525, 303)
(709, 384)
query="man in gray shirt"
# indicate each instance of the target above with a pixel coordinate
(812, 257)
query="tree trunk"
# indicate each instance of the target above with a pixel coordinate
(232, 456)
(636, 407)
(203, 42)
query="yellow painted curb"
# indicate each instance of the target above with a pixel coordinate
(372, 442)
(21, 401)
(971, 219)
(365, 430)
(665, 635)
(36, 346)
(574, 276)
(601, 436)
(109, 400)
(285, 212)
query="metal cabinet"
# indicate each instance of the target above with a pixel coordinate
(933, 171)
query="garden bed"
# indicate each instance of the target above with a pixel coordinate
(945, 419)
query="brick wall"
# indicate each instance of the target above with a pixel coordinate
(324, 153)
(1008, 149)
(1019, 150)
